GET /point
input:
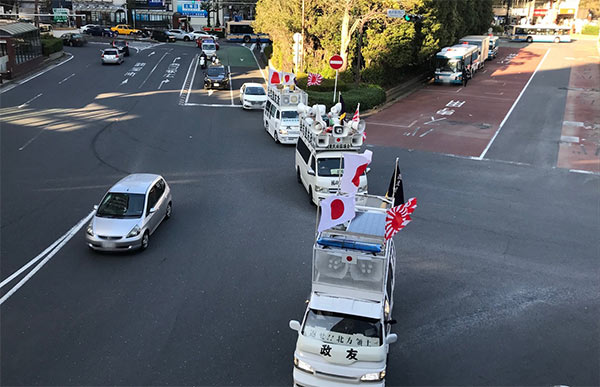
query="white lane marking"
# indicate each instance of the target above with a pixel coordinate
(253, 46)
(435, 120)
(186, 77)
(63, 241)
(459, 90)
(154, 68)
(66, 79)
(125, 81)
(210, 92)
(10, 87)
(187, 97)
(32, 139)
(429, 131)
(152, 53)
(31, 100)
(230, 85)
(394, 125)
(257, 65)
(572, 139)
(584, 172)
(161, 83)
(212, 105)
(512, 107)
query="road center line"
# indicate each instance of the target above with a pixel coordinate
(230, 85)
(154, 68)
(31, 100)
(52, 251)
(186, 77)
(189, 92)
(64, 80)
(512, 107)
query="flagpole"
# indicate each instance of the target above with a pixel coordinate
(395, 180)
(335, 85)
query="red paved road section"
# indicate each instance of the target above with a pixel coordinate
(453, 119)
(580, 141)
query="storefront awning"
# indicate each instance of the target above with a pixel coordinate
(11, 29)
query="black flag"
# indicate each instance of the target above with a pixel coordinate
(395, 188)
(341, 100)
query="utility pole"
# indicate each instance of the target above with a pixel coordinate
(302, 45)
(508, 5)
(36, 18)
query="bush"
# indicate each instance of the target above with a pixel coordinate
(51, 45)
(368, 96)
(498, 29)
(590, 30)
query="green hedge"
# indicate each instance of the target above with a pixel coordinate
(51, 45)
(590, 30)
(369, 96)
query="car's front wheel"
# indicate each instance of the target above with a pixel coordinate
(186, 38)
(145, 240)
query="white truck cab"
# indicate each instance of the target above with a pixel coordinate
(319, 158)
(345, 334)
(280, 115)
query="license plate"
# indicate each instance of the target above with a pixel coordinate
(216, 83)
(109, 244)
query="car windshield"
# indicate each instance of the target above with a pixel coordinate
(208, 46)
(121, 205)
(342, 329)
(329, 167)
(216, 71)
(253, 90)
(120, 43)
(76, 36)
(289, 114)
(110, 52)
(446, 64)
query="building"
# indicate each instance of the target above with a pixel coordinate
(561, 12)
(20, 48)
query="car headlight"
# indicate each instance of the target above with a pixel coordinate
(135, 231)
(373, 376)
(90, 229)
(304, 366)
(321, 189)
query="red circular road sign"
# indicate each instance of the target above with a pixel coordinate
(336, 62)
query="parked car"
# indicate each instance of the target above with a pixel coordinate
(112, 56)
(100, 31)
(129, 213)
(84, 29)
(124, 29)
(216, 77)
(71, 39)
(182, 35)
(162, 36)
(253, 96)
(45, 27)
(122, 46)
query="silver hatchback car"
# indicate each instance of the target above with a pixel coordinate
(129, 213)
(112, 55)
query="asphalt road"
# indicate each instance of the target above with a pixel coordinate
(498, 280)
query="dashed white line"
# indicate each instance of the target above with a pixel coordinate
(50, 251)
(230, 86)
(31, 100)
(424, 134)
(66, 79)
(212, 105)
(154, 68)
(10, 87)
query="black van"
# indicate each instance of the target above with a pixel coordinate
(162, 36)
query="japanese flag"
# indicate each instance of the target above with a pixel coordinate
(336, 210)
(355, 165)
(287, 78)
(274, 77)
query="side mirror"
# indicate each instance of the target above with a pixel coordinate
(153, 210)
(368, 170)
(95, 207)
(391, 338)
(310, 172)
(295, 325)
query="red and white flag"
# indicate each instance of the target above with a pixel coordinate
(336, 210)
(314, 79)
(274, 77)
(287, 78)
(355, 165)
(398, 217)
(356, 116)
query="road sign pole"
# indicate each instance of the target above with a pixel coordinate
(335, 85)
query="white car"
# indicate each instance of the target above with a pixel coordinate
(209, 48)
(203, 35)
(182, 35)
(253, 96)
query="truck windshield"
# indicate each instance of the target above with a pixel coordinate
(446, 65)
(329, 167)
(289, 115)
(342, 329)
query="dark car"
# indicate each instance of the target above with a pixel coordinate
(122, 46)
(216, 77)
(99, 31)
(162, 36)
(70, 39)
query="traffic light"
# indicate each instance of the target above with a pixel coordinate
(409, 17)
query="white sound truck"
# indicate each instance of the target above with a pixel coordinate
(280, 115)
(324, 138)
(344, 337)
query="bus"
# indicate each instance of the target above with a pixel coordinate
(540, 33)
(450, 62)
(242, 31)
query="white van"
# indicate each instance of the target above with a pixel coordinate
(319, 158)
(280, 116)
(345, 334)
(481, 41)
